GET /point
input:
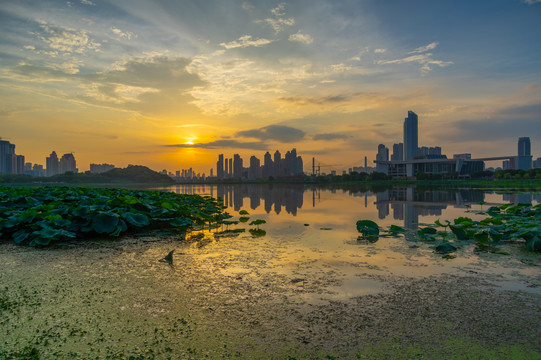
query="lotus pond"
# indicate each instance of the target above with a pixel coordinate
(293, 274)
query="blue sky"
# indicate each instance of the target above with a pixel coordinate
(171, 84)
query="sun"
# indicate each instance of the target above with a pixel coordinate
(189, 142)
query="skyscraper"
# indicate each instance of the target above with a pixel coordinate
(220, 167)
(398, 152)
(51, 164)
(67, 163)
(524, 160)
(7, 156)
(411, 136)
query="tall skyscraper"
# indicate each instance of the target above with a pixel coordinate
(237, 166)
(277, 164)
(267, 165)
(220, 167)
(67, 164)
(524, 161)
(398, 152)
(52, 164)
(7, 157)
(411, 136)
(524, 146)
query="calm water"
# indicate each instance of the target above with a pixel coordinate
(312, 231)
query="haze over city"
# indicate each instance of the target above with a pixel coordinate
(172, 85)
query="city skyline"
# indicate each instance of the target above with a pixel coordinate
(172, 85)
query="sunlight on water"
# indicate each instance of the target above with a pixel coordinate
(311, 231)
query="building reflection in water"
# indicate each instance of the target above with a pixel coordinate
(405, 203)
(278, 198)
(409, 203)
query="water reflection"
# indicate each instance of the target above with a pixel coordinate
(407, 204)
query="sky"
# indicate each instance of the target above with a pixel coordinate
(172, 84)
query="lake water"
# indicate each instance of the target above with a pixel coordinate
(311, 233)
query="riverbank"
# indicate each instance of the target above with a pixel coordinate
(230, 297)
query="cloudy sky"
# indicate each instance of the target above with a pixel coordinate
(171, 84)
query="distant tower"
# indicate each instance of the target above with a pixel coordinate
(67, 163)
(398, 152)
(220, 167)
(524, 154)
(411, 136)
(267, 165)
(52, 164)
(277, 163)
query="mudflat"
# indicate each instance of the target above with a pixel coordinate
(230, 297)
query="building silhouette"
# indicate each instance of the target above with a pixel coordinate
(10, 163)
(52, 164)
(411, 136)
(289, 166)
(524, 158)
(67, 164)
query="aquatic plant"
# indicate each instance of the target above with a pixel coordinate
(43, 216)
(511, 223)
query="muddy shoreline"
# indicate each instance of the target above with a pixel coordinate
(116, 299)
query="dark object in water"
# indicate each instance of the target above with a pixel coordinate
(168, 258)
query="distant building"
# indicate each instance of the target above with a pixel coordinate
(67, 164)
(7, 157)
(100, 168)
(220, 167)
(398, 152)
(524, 158)
(382, 156)
(411, 140)
(52, 164)
(462, 156)
(537, 163)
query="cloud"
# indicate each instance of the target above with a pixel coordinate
(379, 51)
(302, 38)
(301, 100)
(423, 49)
(66, 40)
(87, 2)
(278, 23)
(330, 136)
(425, 59)
(122, 34)
(284, 134)
(247, 6)
(531, 2)
(245, 41)
(220, 144)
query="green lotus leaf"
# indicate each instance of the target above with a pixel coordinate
(445, 248)
(137, 220)
(105, 222)
(367, 228)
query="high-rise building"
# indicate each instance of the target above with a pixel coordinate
(267, 165)
(67, 164)
(277, 164)
(19, 164)
(398, 152)
(7, 157)
(411, 136)
(52, 164)
(524, 159)
(255, 168)
(220, 167)
(237, 166)
(383, 155)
